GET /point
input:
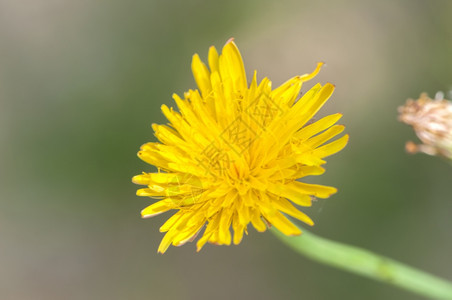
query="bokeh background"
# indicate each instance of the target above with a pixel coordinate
(82, 81)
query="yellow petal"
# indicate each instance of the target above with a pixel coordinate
(320, 191)
(332, 147)
(287, 93)
(201, 75)
(157, 208)
(309, 104)
(211, 229)
(171, 221)
(238, 229)
(323, 137)
(283, 205)
(231, 66)
(156, 191)
(256, 221)
(282, 223)
(187, 235)
(213, 59)
(317, 126)
(293, 192)
(309, 76)
(224, 226)
(166, 241)
(177, 230)
(282, 130)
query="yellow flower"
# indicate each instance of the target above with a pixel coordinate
(232, 153)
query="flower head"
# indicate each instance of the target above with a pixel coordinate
(432, 122)
(232, 153)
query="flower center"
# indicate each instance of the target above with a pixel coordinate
(239, 174)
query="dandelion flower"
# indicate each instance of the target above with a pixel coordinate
(432, 122)
(232, 153)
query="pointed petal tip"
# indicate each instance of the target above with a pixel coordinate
(310, 223)
(137, 179)
(330, 85)
(296, 234)
(147, 216)
(141, 193)
(164, 108)
(333, 191)
(309, 76)
(230, 40)
(143, 216)
(346, 138)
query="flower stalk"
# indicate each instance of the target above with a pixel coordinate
(368, 264)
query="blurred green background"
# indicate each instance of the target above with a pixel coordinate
(82, 81)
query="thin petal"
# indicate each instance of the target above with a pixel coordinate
(323, 137)
(320, 191)
(286, 207)
(332, 147)
(231, 66)
(256, 221)
(317, 126)
(238, 229)
(224, 226)
(282, 223)
(202, 75)
(309, 76)
(213, 59)
(281, 131)
(293, 192)
(157, 208)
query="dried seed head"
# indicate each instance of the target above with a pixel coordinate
(432, 122)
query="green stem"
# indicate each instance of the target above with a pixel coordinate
(368, 264)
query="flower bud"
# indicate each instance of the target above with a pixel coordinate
(432, 122)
